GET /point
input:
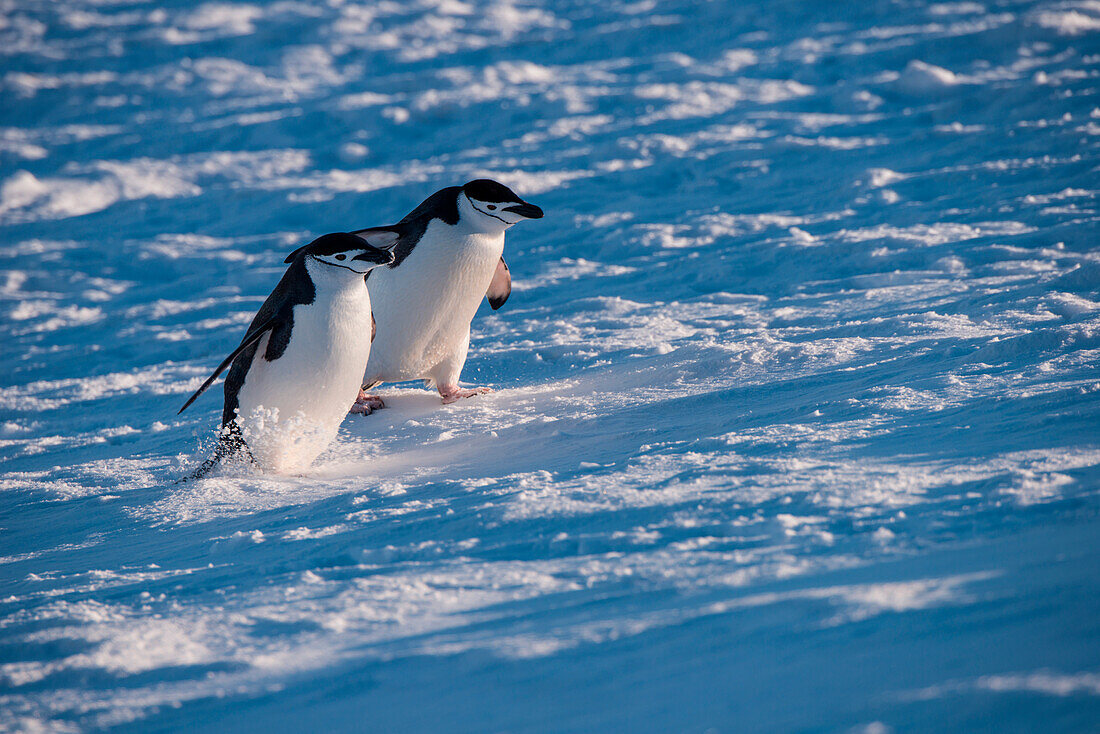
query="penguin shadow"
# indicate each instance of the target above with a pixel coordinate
(405, 404)
(406, 416)
(213, 461)
(411, 433)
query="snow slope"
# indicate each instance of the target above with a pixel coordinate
(797, 408)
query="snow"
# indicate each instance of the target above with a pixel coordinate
(796, 399)
(920, 78)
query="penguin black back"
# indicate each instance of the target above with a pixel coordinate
(442, 205)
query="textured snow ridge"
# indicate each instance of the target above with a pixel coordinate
(796, 408)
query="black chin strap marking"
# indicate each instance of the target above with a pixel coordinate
(494, 216)
(345, 267)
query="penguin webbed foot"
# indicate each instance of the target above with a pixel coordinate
(366, 404)
(452, 393)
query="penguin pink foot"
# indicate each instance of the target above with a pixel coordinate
(451, 393)
(366, 404)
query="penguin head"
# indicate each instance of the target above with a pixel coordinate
(351, 252)
(493, 206)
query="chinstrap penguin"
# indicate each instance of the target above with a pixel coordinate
(299, 365)
(449, 254)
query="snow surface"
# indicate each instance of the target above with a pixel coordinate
(797, 408)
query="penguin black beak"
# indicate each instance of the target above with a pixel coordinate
(525, 210)
(376, 255)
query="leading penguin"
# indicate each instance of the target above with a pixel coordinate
(299, 365)
(449, 254)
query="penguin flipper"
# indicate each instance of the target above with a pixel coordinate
(501, 285)
(381, 237)
(249, 339)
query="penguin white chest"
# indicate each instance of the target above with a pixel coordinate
(424, 306)
(291, 408)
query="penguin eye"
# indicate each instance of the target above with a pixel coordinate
(492, 206)
(341, 256)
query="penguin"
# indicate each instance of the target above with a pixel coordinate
(449, 254)
(299, 365)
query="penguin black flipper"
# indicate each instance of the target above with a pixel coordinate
(251, 338)
(501, 285)
(381, 237)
